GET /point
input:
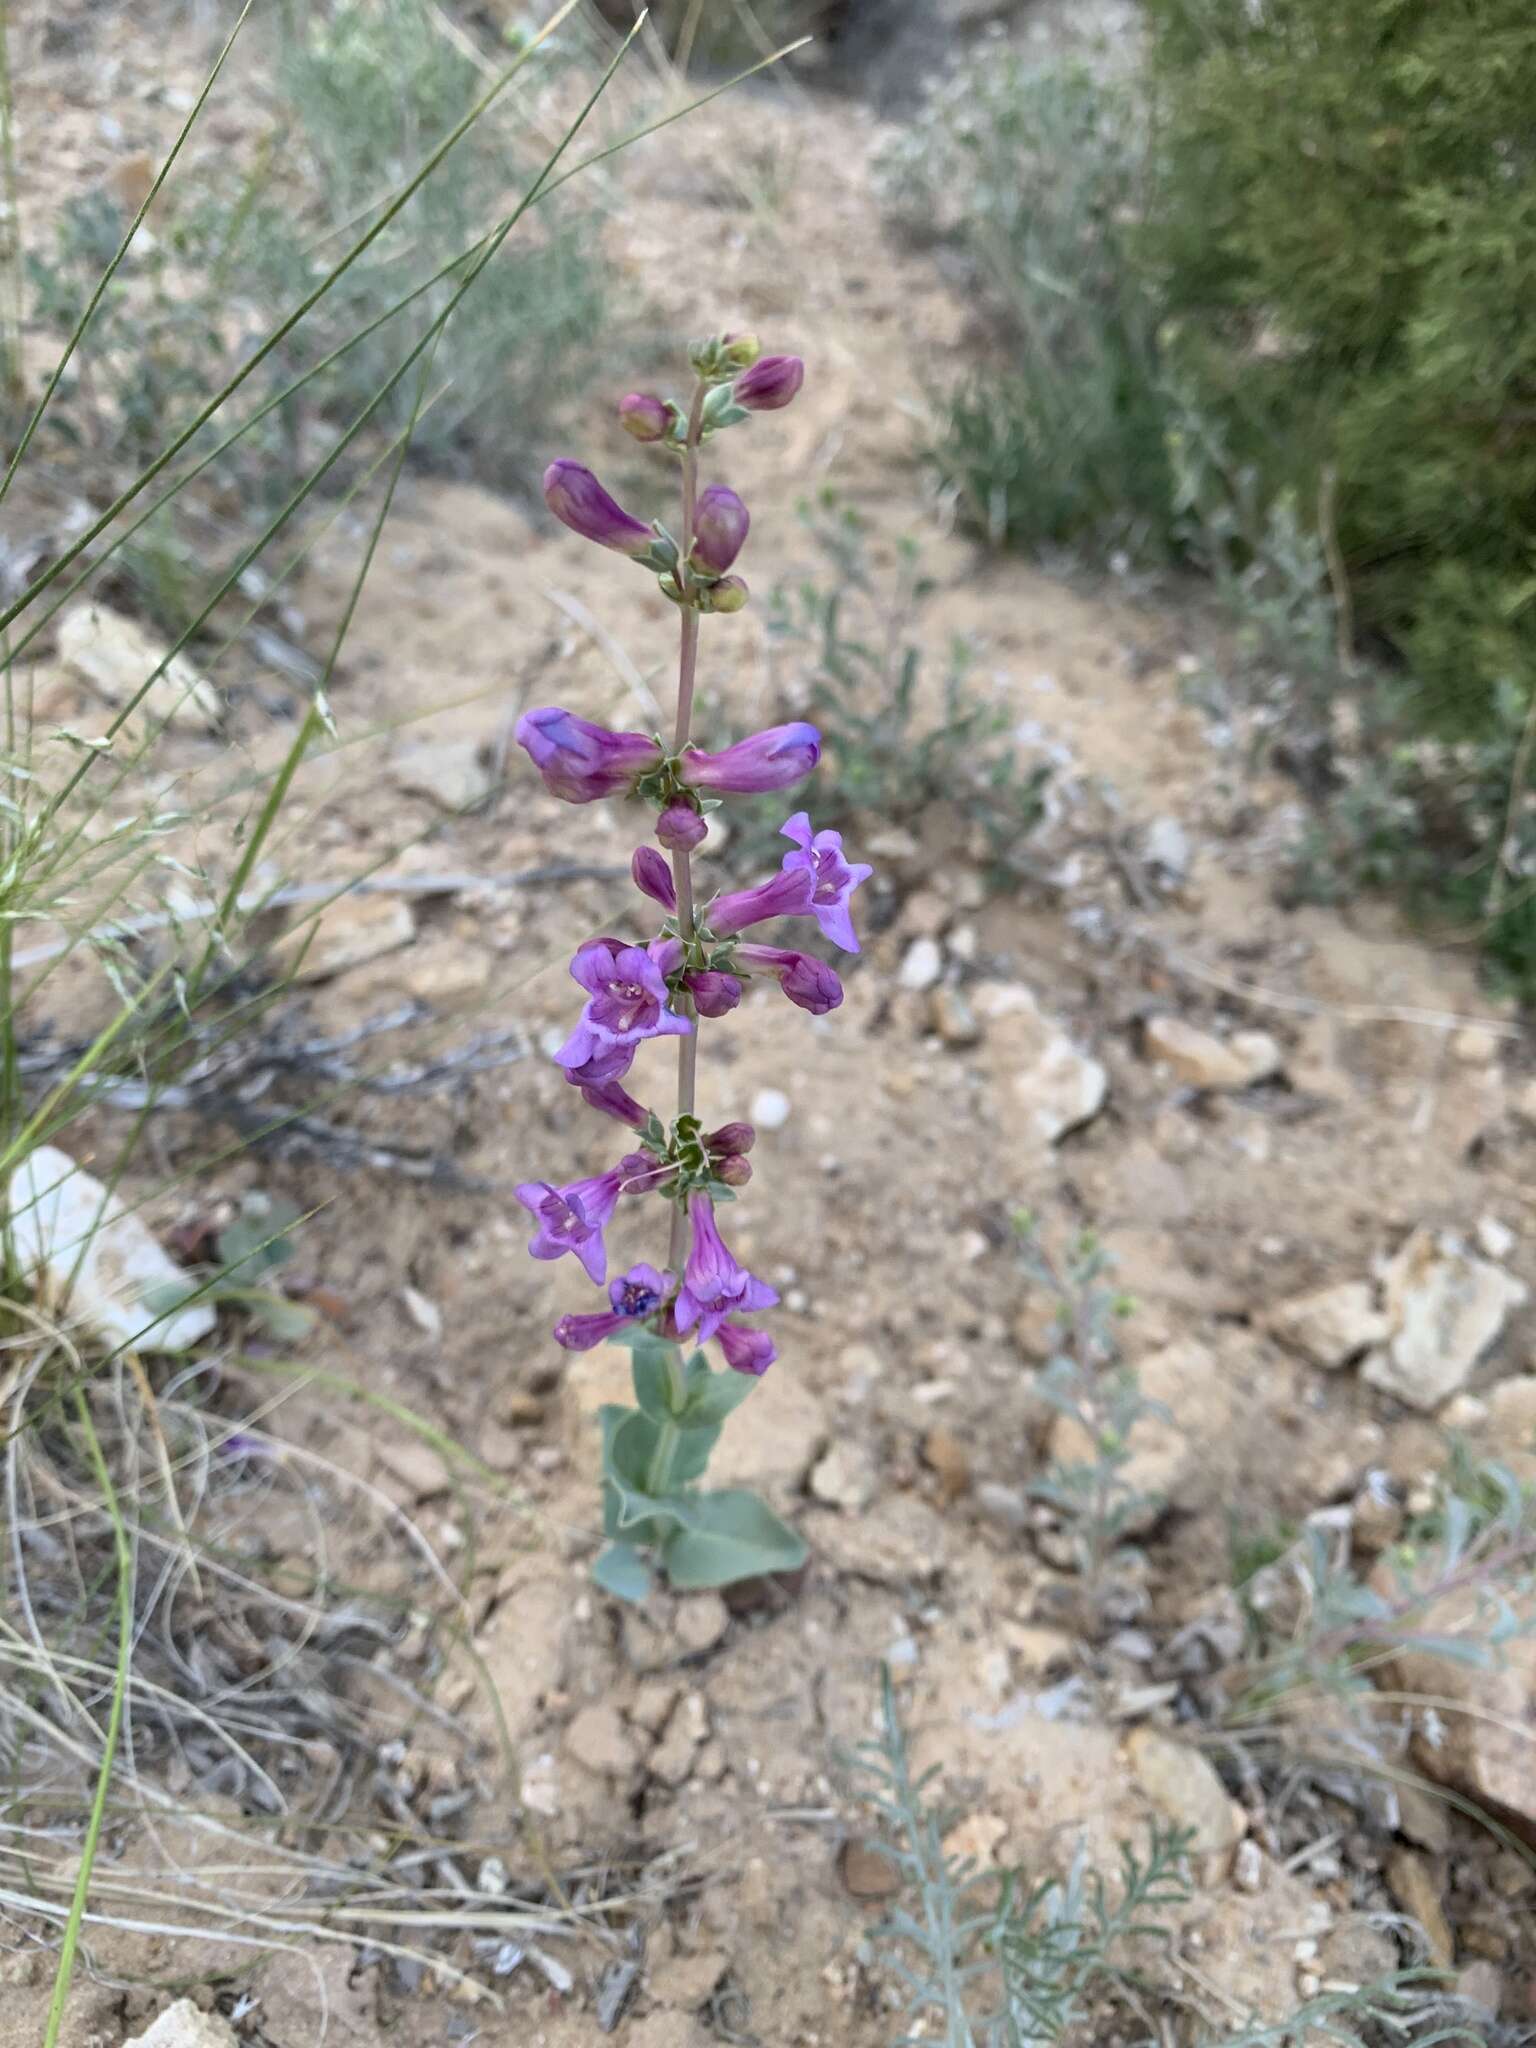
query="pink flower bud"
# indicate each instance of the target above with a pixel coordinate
(720, 523)
(737, 1137)
(644, 416)
(714, 994)
(680, 828)
(770, 384)
(653, 877)
(579, 501)
(734, 1171)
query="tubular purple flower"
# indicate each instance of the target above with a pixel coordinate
(804, 979)
(714, 1285)
(580, 761)
(613, 1100)
(714, 994)
(770, 384)
(788, 894)
(612, 1064)
(835, 879)
(720, 525)
(573, 1218)
(751, 1351)
(637, 1294)
(680, 828)
(768, 760)
(644, 415)
(667, 955)
(627, 1002)
(653, 877)
(579, 501)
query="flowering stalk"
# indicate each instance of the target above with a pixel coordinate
(695, 967)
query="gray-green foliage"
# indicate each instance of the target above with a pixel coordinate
(1086, 1381)
(1033, 175)
(989, 1960)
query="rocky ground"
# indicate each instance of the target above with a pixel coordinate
(1305, 1137)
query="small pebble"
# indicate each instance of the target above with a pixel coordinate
(921, 965)
(770, 1109)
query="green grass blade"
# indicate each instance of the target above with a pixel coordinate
(124, 1562)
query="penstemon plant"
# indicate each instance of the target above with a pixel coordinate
(654, 1513)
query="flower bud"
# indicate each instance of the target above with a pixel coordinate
(653, 877)
(804, 979)
(644, 415)
(740, 351)
(714, 994)
(770, 384)
(579, 501)
(680, 828)
(746, 1350)
(720, 524)
(768, 760)
(728, 595)
(730, 1138)
(734, 1171)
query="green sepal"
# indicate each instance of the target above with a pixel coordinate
(623, 1572)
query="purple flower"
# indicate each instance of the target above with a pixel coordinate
(804, 979)
(768, 760)
(747, 1350)
(640, 1292)
(714, 994)
(626, 1002)
(573, 1218)
(720, 523)
(770, 384)
(612, 1064)
(613, 1100)
(835, 879)
(788, 894)
(644, 416)
(680, 828)
(581, 761)
(579, 501)
(653, 877)
(666, 956)
(714, 1286)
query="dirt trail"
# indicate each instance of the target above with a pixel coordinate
(902, 1412)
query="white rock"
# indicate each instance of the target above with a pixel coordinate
(1445, 1309)
(921, 965)
(116, 656)
(1494, 1238)
(450, 772)
(770, 1109)
(424, 1313)
(182, 2026)
(1167, 847)
(1332, 1325)
(1201, 1060)
(63, 1218)
(1059, 1085)
(845, 1477)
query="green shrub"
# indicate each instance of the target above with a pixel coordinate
(1033, 175)
(1349, 208)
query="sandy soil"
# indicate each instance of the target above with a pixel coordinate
(904, 1406)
